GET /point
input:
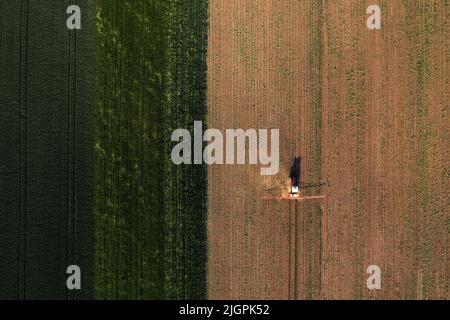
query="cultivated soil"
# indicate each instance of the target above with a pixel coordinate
(368, 110)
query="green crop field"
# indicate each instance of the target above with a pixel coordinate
(46, 104)
(151, 79)
(86, 176)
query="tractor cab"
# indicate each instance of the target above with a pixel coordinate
(296, 185)
(295, 192)
(295, 178)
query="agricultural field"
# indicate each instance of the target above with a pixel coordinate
(150, 215)
(46, 90)
(86, 177)
(368, 110)
(86, 170)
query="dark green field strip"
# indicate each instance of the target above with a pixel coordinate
(185, 187)
(10, 149)
(46, 107)
(149, 215)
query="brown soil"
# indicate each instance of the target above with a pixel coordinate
(369, 112)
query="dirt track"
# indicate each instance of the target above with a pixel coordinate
(368, 110)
